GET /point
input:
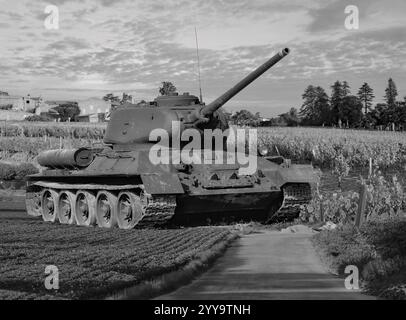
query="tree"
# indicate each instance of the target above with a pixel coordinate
(291, 118)
(380, 114)
(111, 97)
(399, 114)
(351, 111)
(68, 111)
(246, 118)
(167, 88)
(366, 95)
(346, 91)
(338, 93)
(315, 109)
(391, 93)
(336, 100)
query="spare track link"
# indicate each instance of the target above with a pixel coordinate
(159, 209)
(294, 196)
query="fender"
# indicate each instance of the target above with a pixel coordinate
(296, 173)
(162, 183)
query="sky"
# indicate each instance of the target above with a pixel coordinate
(132, 46)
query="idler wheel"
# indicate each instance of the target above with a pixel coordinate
(66, 207)
(85, 208)
(129, 210)
(49, 205)
(106, 209)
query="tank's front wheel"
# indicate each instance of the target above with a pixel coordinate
(49, 205)
(33, 201)
(129, 210)
(66, 207)
(85, 208)
(106, 209)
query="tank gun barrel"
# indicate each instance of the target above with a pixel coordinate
(220, 101)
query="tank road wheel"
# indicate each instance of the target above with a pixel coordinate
(85, 208)
(33, 201)
(66, 207)
(129, 210)
(106, 209)
(49, 205)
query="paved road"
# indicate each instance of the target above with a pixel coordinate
(268, 265)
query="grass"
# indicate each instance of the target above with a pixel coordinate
(378, 249)
(95, 263)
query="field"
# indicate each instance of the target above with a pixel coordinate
(322, 146)
(96, 263)
(92, 262)
(22, 141)
(53, 129)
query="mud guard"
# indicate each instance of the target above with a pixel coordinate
(296, 173)
(162, 183)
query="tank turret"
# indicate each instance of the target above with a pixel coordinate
(132, 126)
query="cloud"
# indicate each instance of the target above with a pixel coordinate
(120, 45)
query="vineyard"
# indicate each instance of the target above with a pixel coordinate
(21, 142)
(75, 130)
(323, 146)
(94, 262)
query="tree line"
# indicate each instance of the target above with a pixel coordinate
(343, 109)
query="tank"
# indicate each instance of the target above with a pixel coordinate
(121, 185)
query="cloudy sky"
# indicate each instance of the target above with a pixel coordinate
(117, 45)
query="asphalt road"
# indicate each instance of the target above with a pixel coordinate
(268, 265)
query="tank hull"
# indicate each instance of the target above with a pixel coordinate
(194, 193)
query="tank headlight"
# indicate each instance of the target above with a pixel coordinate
(263, 151)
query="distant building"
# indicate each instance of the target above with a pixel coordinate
(93, 110)
(94, 105)
(20, 103)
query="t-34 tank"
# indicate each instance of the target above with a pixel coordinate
(122, 185)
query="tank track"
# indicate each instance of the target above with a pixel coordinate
(158, 211)
(294, 196)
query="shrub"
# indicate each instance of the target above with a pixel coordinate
(16, 172)
(24, 169)
(37, 118)
(7, 171)
(385, 199)
(378, 249)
